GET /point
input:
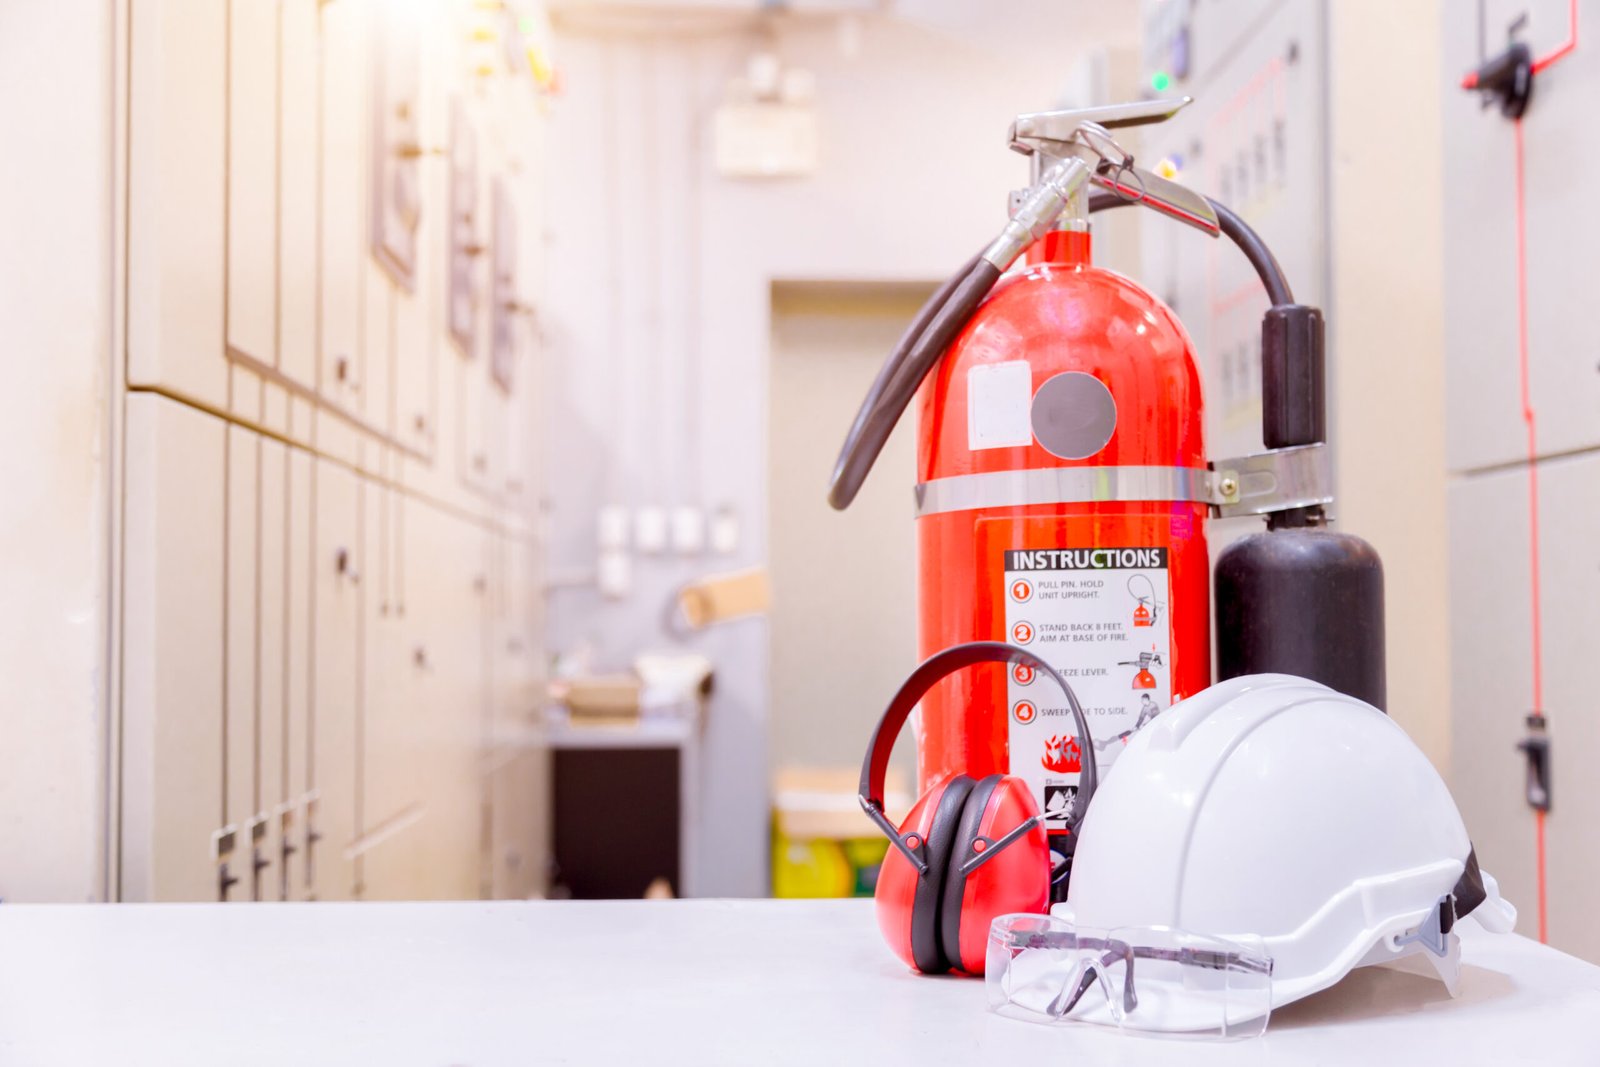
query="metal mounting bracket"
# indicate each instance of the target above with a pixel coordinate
(1279, 479)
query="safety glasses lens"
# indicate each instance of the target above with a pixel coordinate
(1151, 979)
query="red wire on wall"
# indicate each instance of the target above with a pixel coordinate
(1529, 419)
(1566, 47)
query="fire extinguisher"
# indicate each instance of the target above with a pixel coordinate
(1143, 679)
(1062, 466)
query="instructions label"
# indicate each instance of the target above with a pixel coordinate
(1098, 616)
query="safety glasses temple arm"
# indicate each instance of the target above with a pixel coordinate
(1210, 959)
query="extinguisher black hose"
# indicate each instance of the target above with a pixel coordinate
(1234, 229)
(945, 314)
(873, 401)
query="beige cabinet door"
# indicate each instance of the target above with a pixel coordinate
(240, 663)
(519, 789)
(445, 628)
(482, 425)
(290, 811)
(298, 177)
(520, 809)
(345, 133)
(252, 181)
(177, 121)
(394, 756)
(338, 569)
(272, 675)
(380, 303)
(172, 800)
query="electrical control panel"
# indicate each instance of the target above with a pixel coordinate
(465, 245)
(507, 305)
(1485, 427)
(396, 141)
(1255, 140)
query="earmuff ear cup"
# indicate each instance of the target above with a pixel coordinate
(1016, 880)
(967, 832)
(901, 889)
(926, 949)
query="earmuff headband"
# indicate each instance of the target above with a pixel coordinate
(934, 670)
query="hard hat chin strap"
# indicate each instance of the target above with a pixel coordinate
(1434, 932)
(1467, 894)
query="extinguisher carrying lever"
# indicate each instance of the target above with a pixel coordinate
(1085, 133)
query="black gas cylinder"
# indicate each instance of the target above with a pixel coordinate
(1306, 601)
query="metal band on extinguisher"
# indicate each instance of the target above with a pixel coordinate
(1067, 485)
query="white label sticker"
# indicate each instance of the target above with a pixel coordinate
(1099, 616)
(999, 398)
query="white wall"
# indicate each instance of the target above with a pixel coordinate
(840, 639)
(1386, 366)
(55, 305)
(659, 341)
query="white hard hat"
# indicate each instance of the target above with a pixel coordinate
(1273, 807)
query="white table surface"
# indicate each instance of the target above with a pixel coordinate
(750, 982)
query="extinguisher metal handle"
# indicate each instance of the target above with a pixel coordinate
(1085, 133)
(1031, 132)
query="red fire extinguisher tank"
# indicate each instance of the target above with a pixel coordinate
(1060, 455)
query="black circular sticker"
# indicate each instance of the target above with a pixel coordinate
(1074, 415)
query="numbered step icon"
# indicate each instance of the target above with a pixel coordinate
(1022, 674)
(1022, 633)
(1024, 711)
(1022, 590)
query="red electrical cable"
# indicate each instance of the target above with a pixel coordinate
(1530, 421)
(1566, 47)
(1541, 64)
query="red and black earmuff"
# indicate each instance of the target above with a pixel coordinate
(968, 850)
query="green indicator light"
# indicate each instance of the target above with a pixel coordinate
(1160, 82)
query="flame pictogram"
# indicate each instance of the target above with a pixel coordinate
(1062, 755)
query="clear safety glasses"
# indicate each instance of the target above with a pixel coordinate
(1152, 979)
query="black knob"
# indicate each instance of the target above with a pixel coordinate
(225, 880)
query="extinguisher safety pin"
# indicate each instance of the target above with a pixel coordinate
(1097, 139)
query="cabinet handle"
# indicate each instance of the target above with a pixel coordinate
(341, 371)
(258, 863)
(225, 881)
(345, 565)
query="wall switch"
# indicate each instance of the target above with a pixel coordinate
(688, 530)
(725, 530)
(650, 530)
(615, 574)
(613, 528)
